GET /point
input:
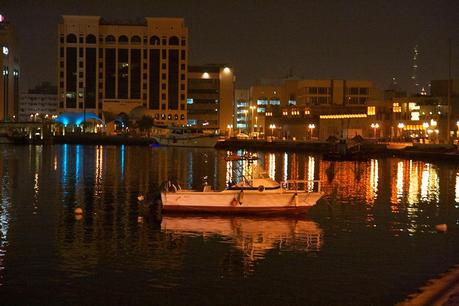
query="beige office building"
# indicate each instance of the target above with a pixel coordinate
(210, 100)
(111, 68)
(294, 105)
(9, 78)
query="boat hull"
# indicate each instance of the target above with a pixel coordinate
(237, 202)
(198, 142)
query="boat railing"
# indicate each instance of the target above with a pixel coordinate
(307, 185)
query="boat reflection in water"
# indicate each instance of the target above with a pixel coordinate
(252, 237)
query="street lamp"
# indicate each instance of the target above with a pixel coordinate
(374, 126)
(272, 127)
(229, 126)
(311, 127)
(401, 126)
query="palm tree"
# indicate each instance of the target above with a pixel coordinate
(146, 123)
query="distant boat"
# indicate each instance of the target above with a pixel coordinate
(13, 139)
(186, 137)
(256, 196)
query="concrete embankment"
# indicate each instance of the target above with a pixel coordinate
(428, 152)
(92, 139)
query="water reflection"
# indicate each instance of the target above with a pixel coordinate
(252, 238)
(378, 204)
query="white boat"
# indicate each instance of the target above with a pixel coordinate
(186, 137)
(256, 196)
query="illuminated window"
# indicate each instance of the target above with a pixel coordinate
(291, 102)
(262, 102)
(396, 108)
(189, 101)
(371, 111)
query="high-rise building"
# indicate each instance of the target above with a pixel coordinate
(9, 78)
(110, 68)
(210, 96)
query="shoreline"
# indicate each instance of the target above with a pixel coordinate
(368, 150)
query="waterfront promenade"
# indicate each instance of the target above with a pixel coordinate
(367, 148)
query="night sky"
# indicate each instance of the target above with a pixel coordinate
(269, 39)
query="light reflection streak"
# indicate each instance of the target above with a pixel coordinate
(413, 188)
(374, 178)
(424, 181)
(399, 180)
(285, 172)
(272, 166)
(64, 164)
(36, 191)
(77, 163)
(122, 160)
(311, 166)
(99, 169)
(430, 184)
(4, 221)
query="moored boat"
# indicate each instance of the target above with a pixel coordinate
(255, 196)
(186, 137)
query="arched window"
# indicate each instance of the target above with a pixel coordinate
(169, 117)
(175, 117)
(110, 39)
(182, 117)
(154, 40)
(123, 39)
(90, 39)
(135, 40)
(71, 38)
(156, 116)
(173, 41)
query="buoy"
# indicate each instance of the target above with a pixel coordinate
(78, 211)
(441, 228)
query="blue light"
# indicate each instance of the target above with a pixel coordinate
(76, 118)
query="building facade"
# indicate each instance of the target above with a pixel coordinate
(312, 108)
(241, 122)
(210, 101)
(9, 78)
(39, 102)
(110, 68)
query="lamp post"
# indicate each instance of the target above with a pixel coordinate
(374, 126)
(229, 126)
(401, 126)
(311, 128)
(272, 127)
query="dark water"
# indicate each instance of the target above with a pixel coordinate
(375, 245)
